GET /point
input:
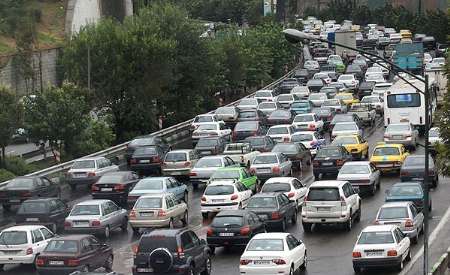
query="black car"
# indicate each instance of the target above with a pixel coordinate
(147, 160)
(280, 117)
(114, 186)
(67, 254)
(275, 209)
(246, 129)
(365, 88)
(146, 141)
(210, 146)
(251, 115)
(302, 75)
(50, 212)
(326, 115)
(233, 228)
(21, 189)
(297, 153)
(413, 169)
(329, 91)
(329, 160)
(261, 143)
(172, 251)
(287, 85)
(315, 85)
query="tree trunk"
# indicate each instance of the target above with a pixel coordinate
(3, 160)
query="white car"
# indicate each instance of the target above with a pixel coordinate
(268, 165)
(346, 128)
(375, 77)
(349, 80)
(439, 60)
(427, 58)
(361, 174)
(205, 118)
(312, 140)
(324, 76)
(433, 135)
(21, 244)
(273, 253)
(375, 102)
(224, 195)
(301, 91)
(381, 246)
(267, 107)
(308, 122)
(227, 114)
(383, 66)
(381, 88)
(311, 65)
(374, 69)
(213, 129)
(248, 103)
(265, 95)
(87, 171)
(281, 133)
(292, 187)
(317, 99)
(286, 100)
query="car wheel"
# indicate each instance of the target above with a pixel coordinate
(308, 162)
(1, 267)
(207, 270)
(291, 271)
(294, 217)
(305, 262)
(373, 189)
(7, 207)
(283, 225)
(192, 270)
(205, 215)
(185, 219)
(316, 176)
(84, 269)
(307, 226)
(358, 217)
(357, 269)
(416, 238)
(408, 256)
(400, 265)
(349, 223)
(124, 225)
(107, 232)
(109, 264)
(185, 197)
(171, 224)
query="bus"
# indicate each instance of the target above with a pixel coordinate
(403, 103)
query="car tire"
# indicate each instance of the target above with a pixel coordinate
(400, 265)
(294, 217)
(305, 262)
(171, 223)
(283, 225)
(7, 207)
(358, 217)
(349, 223)
(292, 271)
(109, 263)
(185, 197)
(185, 219)
(212, 249)
(205, 215)
(1, 267)
(408, 256)
(124, 225)
(317, 176)
(107, 232)
(135, 230)
(207, 270)
(373, 189)
(357, 269)
(307, 227)
(415, 240)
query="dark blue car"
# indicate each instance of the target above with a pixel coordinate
(407, 191)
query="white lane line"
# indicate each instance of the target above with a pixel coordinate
(432, 238)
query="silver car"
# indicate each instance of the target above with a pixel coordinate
(206, 166)
(248, 103)
(403, 214)
(268, 165)
(88, 170)
(179, 162)
(301, 91)
(401, 133)
(227, 114)
(346, 128)
(268, 107)
(361, 174)
(317, 99)
(96, 217)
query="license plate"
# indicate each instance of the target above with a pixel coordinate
(226, 234)
(176, 173)
(14, 200)
(144, 270)
(81, 224)
(218, 200)
(262, 217)
(419, 179)
(397, 137)
(205, 153)
(327, 163)
(56, 262)
(107, 189)
(323, 209)
(146, 214)
(374, 254)
(144, 161)
(259, 262)
(79, 175)
(32, 219)
(264, 170)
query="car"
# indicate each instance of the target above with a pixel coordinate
(96, 217)
(302, 75)
(210, 146)
(365, 112)
(326, 114)
(280, 117)
(346, 128)
(252, 115)
(297, 153)
(241, 153)
(314, 85)
(49, 212)
(385, 67)
(427, 58)
(401, 133)
(312, 140)
(404, 214)
(206, 166)
(87, 171)
(388, 157)
(233, 228)
(267, 107)
(329, 159)
(361, 174)
(23, 243)
(227, 114)
(292, 187)
(408, 191)
(347, 98)
(239, 174)
(301, 91)
(147, 160)
(285, 100)
(158, 210)
(365, 89)
(361, 62)
(324, 76)
(287, 84)
(434, 139)
(260, 143)
(375, 77)
(274, 208)
(337, 62)
(413, 169)
(273, 253)
(301, 107)
(375, 102)
(159, 141)
(317, 99)
(311, 65)
(114, 186)
(439, 60)
(281, 133)
(372, 70)
(339, 87)
(329, 91)
(337, 105)
(380, 89)
(268, 165)
(308, 122)
(213, 129)
(248, 103)
(23, 188)
(349, 80)
(246, 129)
(171, 251)
(381, 246)
(152, 185)
(331, 202)
(265, 95)
(179, 162)
(64, 255)
(204, 118)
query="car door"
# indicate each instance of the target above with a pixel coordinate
(375, 174)
(39, 243)
(170, 187)
(88, 254)
(295, 252)
(300, 189)
(179, 190)
(48, 235)
(57, 212)
(108, 215)
(178, 208)
(101, 251)
(52, 188)
(191, 248)
(117, 214)
(170, 205)
(283, 207)
(417, 217)
(244, 192)
(258, 225)
(402, 241)
(41, 189)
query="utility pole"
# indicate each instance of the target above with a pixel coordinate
(89, 68)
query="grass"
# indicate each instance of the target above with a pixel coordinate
(5, 48)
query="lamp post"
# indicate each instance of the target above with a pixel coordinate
(295, 36)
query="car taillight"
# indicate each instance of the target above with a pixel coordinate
(132, 214)
(187, 164)
(162, 213)
(120, 187)
(91, 174)
(286, 139)
(29, 251)
(312, 127)
(313, 143)
(156, 159)
(209, 232)
(25, 194)
(343, 203)
(180, 252)
(73, 262)
(409, 223)
(291, 194)
(244, 230)
(404, 173)
(276, 170)
(95, 223)
(276, 215)
(386, 135)
(234, 197)
(279, 261)
(40, 261)
(133, 161)
(356, 254)
(67, 224)
(253, 170)
(340, 162)
(192, 174)
(203, 198)
(135, 249)
(94, 188)
(244, 262)
(392, 253)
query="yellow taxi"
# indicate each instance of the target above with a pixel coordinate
(388, 157)
(347, 98)
(355, 144)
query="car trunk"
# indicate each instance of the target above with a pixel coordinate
(145, 159)
(14, 250)
(265, 213)
(82, 221)
(59, 259)
(33, 218)
(15, 196)
(207, 150)
(324, 202)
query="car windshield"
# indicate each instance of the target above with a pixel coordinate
(145, 151)
(419, 160)
(206, 127)
(387, 213)
(246, 126)
(371, 99)
(263, 94)
(380, 237)
(21, 183)
(386, 151)
(344, 97)
(304, 118)
(345, 127)
(85, 210)
(111, 178)
(149, 184)
(225, 110)
(209, 162)
(276, 187)
(302, 137)
(355, 169)
(285, 148)
(398, 128)
(248, 114)
(226, 174)
(83, 164)
(331, 103)
(148, 203)
(207, 142)
(410, 190)
(323, 194)
(266, 159)
(204, 119)
(215, 190)
(285, 98)
(13, 238)
(33, 207)
(299, 104)
(224, 221)
(346, 77)
(268, 105)
(62, 246)
(255, 141)
(329, 152)
(280, 114)
(262, 202)
(345, 140)
(278, 131)
(248, 101)
(175, 156)
(265, 245)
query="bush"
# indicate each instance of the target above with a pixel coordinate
(6, 175)
(17, 166)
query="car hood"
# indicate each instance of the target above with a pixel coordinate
(83, 217)
(353, 177)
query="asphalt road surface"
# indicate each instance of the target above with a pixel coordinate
(329, 247)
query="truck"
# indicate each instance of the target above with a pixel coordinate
(409, 56)
(241, 153)
(346, 38)
(365, 112)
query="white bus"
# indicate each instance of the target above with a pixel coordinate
(403, 103)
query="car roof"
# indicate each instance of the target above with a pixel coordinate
(271, 235)
(238, 212)
(408, 183)
(304, 132)
(222, 182)
(155, 195)
(92, 202)
(207, 157)
(268, 154)
(92, 158)
(74, 237)
(165, 232)
(382, 144)
(305, 114)
(359, 162)
(181, 151)
(328, 183)
(23, 227)
(378, 228)
(265, 194)
(280, 179)
(40, 200)
(230, 168)
(396, 204)
(281, 126)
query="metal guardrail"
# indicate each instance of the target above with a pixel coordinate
(172, 134)
(441, 267)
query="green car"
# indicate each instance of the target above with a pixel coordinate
(236, 173)
(340, 66)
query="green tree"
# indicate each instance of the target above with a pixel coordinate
(9, 118)
(97, 136)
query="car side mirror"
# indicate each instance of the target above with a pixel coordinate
(202, 242)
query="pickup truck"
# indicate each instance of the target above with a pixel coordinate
(365, 112)
(242, 153)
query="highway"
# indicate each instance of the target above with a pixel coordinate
(329, 248)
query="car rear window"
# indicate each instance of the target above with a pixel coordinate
(246, 126)
(222, 221)
(113, 178)
(387, 213)
(302, 137)
(142, 141)
(13, 238)
(247, 114)
(329, 152)
(148, 203)
(226, 174)
(285, 148)
(280, 114)
(62, 246)
(255, 141)
(21, 183)
(174, 156)
(267, 105)
(149, 243)
(276, 187)
(210, 162)
(355, 169)
(345, 127)
(340, 140)
(216, 190)
(386, 151)
(266, 245)
(85, 210)
(278, 131)
(405, 191)
(149, 184)
(267, 159)
(380, 237)
(33, 208)
(323, 194)
(83, 164)
(206, 142)
(145, 151)
(204, 119)
(262, 202)
(304, 118)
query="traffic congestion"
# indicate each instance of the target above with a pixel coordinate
(323, 174)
